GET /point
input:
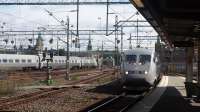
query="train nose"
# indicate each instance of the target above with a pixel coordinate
(136, 72)
(135, 78)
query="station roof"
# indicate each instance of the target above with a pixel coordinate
(176, 21)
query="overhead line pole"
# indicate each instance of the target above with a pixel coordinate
(67, 56)
(107, 14)
(121, 62)
(77, 24)
(67, 31)
(102, 53)
(130, 43)
(116, 38)
(137, 32)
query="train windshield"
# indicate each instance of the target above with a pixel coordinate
(145, 58)
(131, 58)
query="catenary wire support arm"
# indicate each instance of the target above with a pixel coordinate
(61, 22)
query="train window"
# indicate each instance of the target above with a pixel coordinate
(144, 58)
(63, 61)
(37, 61)
(59, 61)
(10, 61)
(23, 61)
(29, 60)
(0, 60)
(16, 61)
(131, 58)
(5, 60)
(56, 61)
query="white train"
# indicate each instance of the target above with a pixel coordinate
(140, 68)
(24, 62)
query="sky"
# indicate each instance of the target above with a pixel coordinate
(91, 17)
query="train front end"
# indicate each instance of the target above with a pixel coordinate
(137, 70)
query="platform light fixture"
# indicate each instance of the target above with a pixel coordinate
(139, 3)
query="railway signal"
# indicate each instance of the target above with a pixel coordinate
(48, 59)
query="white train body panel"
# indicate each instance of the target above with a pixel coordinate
(59, 62)
(139, 67)
(20, 62)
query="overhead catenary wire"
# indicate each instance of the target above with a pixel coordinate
(23, 18)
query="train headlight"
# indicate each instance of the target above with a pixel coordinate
(126, 72)
(145, 72)
(140, 63)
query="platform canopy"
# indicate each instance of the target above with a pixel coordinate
(176, 21)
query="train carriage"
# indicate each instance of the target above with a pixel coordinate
(18, 62)
(25, 62)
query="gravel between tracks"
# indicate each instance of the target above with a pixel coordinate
(72, 100)
(69, 101)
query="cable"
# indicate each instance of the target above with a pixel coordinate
(8, 14)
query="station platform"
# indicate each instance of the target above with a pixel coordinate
(169, 96)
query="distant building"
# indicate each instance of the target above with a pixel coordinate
(39, 44)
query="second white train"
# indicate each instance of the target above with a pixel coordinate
(24, 62)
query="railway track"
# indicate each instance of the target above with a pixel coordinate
(13, 101)
(118, 103)
(55, 74)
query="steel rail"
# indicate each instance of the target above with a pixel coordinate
(13, 101)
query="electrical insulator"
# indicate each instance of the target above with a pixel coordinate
(118, 41)
(12, 41)
(51, 55)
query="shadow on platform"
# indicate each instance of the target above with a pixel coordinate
(173, 101)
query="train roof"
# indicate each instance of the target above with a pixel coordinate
(139, 51)
(16, 55)
(33, 56)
